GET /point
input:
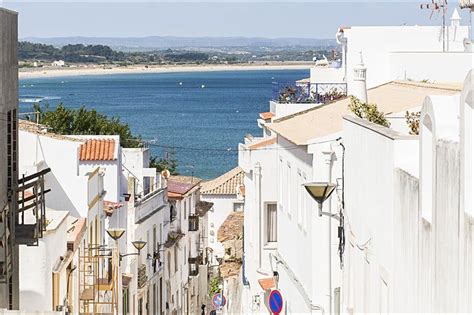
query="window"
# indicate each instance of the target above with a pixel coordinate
(306, 207)
(169, 264)
(271, 222)
(148, 242)
(175, 259)
(280, 183)
(238, 206)
(299, 195)
(184, 209)
(154, 298)
(154, 238)
(288, 190)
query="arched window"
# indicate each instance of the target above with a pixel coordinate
(169, 264)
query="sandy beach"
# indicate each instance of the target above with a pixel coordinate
(34, 73)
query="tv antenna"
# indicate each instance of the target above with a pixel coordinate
(440, 7)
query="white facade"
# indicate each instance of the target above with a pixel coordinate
(37, 264)
(409, 233)
(124, 174)
(185, 250)
(275, 175)
(226, 193)
(405, 53)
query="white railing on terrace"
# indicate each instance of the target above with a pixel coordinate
(148, 204)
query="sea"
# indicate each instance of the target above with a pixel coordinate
(199, 117)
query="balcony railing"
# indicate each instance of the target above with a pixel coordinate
(193, 223)
(149, 204)
(194, 263)
(142, 276)
(307, 93)
(30, 226)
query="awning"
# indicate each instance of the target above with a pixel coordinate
(202, 207)
(267, 283)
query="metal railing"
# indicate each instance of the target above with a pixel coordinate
(142, 276)
(307, 93)
(193, 223)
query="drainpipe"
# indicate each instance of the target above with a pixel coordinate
(258, 200)
(341, 40)
(328, 155)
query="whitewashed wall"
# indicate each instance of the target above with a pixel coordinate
(435, 66)
(223, 206)
(259, 189)
(68, 186)
(397, 261)
(378, 43)
(36, 266)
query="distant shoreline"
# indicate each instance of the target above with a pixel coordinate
(50, 72)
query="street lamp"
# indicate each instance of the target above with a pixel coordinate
(115, 233)
(139, 245)
(321, 191)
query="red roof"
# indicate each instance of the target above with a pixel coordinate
(182, 184)
(267, 115)
(267, 283)
(98, 150)
(110, 207)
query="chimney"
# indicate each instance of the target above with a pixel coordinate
(360, 86)
(455, 18)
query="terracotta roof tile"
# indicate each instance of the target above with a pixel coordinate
(267, 115)
(110, 207)
(232, 227)
(225, 184)
(179, 184)
(267, 283)
(230, 269)
(98, 150)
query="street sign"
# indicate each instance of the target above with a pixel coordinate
(275, 302)
(219, 300)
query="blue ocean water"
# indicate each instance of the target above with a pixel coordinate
(202, 114)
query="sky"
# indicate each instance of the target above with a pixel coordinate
(193, 18)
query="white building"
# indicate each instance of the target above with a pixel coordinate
(399, 53)
(134, 198)
(226, 192)
(58, 63)
(185, 247)
(281, 221)
(406, 52)
(55, 257)
(409, 211)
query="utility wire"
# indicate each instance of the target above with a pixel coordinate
(292, 147)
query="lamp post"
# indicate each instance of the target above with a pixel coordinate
(320, 192)
(116, 234)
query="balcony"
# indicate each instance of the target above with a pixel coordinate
(307, 93)
(174, 233)
(194, 263)
(193, 223)
(142, 276)
(149, 205)
(31, 220)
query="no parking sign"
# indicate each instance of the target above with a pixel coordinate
(218, 300)
(275, 302)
